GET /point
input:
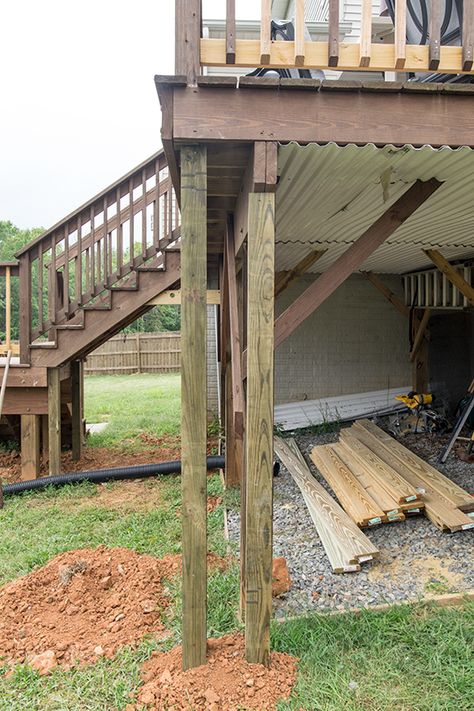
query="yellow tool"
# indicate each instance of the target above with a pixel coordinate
(414, 401)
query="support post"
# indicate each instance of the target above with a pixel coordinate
(25, 307)
(54, 420)
(259, 430)
(194, 401)
(76, 414)
(30, 446)
(188, 37)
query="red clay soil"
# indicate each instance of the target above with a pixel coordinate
(226, 683)
(281, 581)
(85, 604)
(158, 449)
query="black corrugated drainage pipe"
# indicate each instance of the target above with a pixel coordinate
(100, 476)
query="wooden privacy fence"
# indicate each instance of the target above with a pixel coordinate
(193, 50)
(136, 353)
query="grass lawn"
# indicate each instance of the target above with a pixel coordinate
(416, 658)
(132, 404)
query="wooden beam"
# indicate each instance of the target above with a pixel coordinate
(382, 56)
(452, 274)
(194, 402)
(299, 33)
(284, 279)
(352, 258)
(420, 334)
(244, 115)
(54, 420)
(259, 430)
(173, 297)
(238, 404)
(76, 388)
(389, 295)
(30, 446)
(188, 36)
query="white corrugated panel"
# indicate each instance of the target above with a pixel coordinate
(296, 415)
(329, 195)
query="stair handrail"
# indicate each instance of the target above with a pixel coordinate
(124, 226)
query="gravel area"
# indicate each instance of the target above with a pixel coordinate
(416, 559)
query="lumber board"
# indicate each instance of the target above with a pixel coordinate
(259, 427)
(387, 477)
(354, 499)
(436, 506)
(387, 503)
(54, 420)
(345, 544)
(194, 402)
(428, 474)
(30, 446)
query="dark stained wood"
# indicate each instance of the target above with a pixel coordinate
(456, 279)
(188, 34)
(352, 258)
(435, 33)
(333, 32)
(30, 446)
(259, 430)
(25, 308)
(323, 116)
(420, 334)
(468, 35)
(389, 295)
(76, 409)
(230, 32)
(193, 399)
(54, 420)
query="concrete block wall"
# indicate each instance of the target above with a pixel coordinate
(356, 341)
(212, 368)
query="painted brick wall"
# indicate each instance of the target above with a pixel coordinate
(356, 341)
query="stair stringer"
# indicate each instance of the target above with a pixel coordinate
(100, 325)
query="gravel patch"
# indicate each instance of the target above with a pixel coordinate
(416, 559)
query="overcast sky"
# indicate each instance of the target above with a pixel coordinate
(78, 102)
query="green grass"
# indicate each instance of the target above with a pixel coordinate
(132, 404)
(416, 658)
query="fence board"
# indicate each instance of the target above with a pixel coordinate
(136, 353)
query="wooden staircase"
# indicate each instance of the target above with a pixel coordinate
(80, 283)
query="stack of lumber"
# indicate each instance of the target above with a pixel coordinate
(345, 544)
(378, 480)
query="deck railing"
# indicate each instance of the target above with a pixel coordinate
(77, 261)
(193, 51)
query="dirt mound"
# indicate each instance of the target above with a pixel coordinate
(227, 682)
(85, 604)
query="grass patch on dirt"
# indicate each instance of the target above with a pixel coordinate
(412, 658)
(132, 405)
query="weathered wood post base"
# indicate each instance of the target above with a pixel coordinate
(54, 420)
(194, 401)
(259, 429)
(76, 414)
(30, 446)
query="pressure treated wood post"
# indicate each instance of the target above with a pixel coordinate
(194, 401)
(25, 307)
(30, 446)
(259, 430)
(187, 38)
(54, 420)
(76, 414)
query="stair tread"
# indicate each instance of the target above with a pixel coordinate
(44, 344)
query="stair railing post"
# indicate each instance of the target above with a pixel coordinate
(188, 19)
(25, 307)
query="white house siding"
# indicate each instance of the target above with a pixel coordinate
(356, 341)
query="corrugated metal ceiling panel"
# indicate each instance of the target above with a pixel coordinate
(329, 195)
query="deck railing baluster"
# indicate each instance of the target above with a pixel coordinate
(131, 222)
(119, 235)
(299, 33)
(366, 33)
(333, 33)
(400, 33)
(468, 35)
(107, 270)
(65, 299)
(265, 32)
(144, 224)
(92, 252)
(435, 34)
(40, 288)
(78, 263)
(230, 32)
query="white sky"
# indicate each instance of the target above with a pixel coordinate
(78, 102)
